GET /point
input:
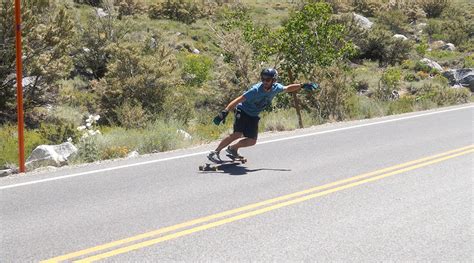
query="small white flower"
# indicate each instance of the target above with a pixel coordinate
(91, 132)
(81, 128)
(85, 135)
(96, 117)
(97, 132)
(88, 125)
(69, 139)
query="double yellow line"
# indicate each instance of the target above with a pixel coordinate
(211, 221)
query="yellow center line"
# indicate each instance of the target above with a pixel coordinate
(243, 209)
(263, 210)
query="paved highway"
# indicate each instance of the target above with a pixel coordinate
(393, 188)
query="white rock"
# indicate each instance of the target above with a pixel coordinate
(432, 64)
(186, 135)
(449, 46)
(363, 21)
(133, 154)
(6, 172)
(101, 13)
(400, 36)
(50, 155)
(196, 51)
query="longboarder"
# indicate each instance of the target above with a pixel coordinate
(246, 108)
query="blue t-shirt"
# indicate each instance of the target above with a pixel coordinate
(257, 99)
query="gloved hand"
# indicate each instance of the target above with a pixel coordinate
(310, 86)
(220, 117)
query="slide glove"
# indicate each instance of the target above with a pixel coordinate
(220, 117)
(310, 86)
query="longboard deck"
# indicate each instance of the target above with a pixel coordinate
(216, 166)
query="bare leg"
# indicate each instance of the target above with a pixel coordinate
(228, 140)
(245, 142)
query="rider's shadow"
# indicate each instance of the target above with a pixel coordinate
(235, 169)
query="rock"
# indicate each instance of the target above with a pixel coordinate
(50, 155)
(438, 44)
(101, 13)
(400, 36)
(449, 46)
(461, 77)
(196, 51)
(6, 172)
(432, 64)
(133, 154)
(186, 135)
(363, 21)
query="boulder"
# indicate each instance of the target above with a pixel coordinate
(432, 64)
(461, 77)
(6, 172)
(50, 155)
(101, 13)
(185, 135)
(363, 21)
(449, 46)
(402, 37)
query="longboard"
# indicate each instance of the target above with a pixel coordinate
(217, 166)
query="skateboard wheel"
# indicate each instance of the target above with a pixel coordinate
(201, 168)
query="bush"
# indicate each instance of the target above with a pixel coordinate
(367, 7)
(395, 20)
(9, 144)
(468, 61)
(442, 95)
(388, 83)
(129, 7)
(89, 2)
(433, 8)
(131, 115)
(380, 45)
(196, 69)
(181, 10)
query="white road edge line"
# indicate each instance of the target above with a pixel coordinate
(200, 153)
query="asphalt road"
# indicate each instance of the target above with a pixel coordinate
(396, 188)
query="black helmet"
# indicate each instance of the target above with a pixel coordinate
(269, 72)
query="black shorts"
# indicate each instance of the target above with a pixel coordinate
(246, 124)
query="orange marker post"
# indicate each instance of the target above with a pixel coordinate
(19, 89)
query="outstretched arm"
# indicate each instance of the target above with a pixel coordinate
(292, 87)
(306, 86)
(235, 102)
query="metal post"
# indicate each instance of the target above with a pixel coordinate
(19, 88)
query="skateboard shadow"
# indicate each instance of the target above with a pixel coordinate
(235, 169)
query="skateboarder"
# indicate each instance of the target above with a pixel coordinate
(247, 108)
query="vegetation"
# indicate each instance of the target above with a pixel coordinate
(157, 71)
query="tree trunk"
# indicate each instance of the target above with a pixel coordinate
(296, 102)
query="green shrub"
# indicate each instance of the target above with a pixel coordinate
(380, 45)
(131, 115)
(9, 144)
(197, 69)
(180, 10)
(388, 83)
(89, 2)
(468, 61)
(367, 7)
(420, 66)
(403, 105)
(57, 133)
(433, 8)
(421, 48)
(362, 107)
(395, 20)
(442, 95)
